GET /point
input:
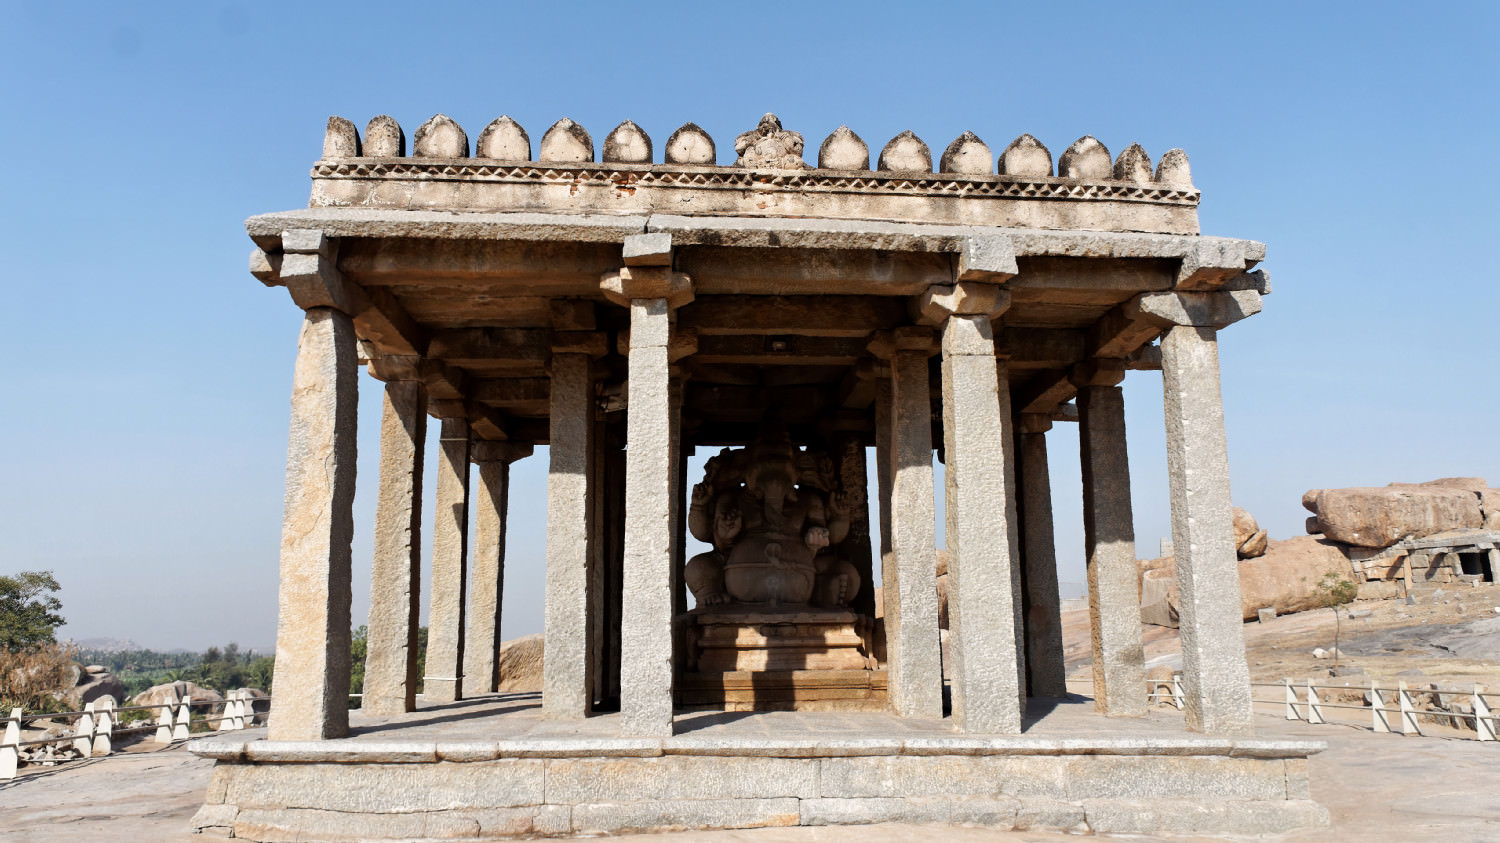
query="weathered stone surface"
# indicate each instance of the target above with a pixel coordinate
(1133, 165)
(440, 137)
(448, 602)
(1173, 170)
(955, 775)
(905, 153)
(487, 578)
(503, 139)
(1216, 678)
(996, 813)
(1086, 159)
(646, 623)
(1187, 816)
(628, 144)
(172, 692)
(983, 570)
(93, 686)
(844, 150)
(396, 571)
(1489, 507)
(966, 155)
(770, 147)
(566, 142)
(565, 686)
(387, 788)
(690, 145)
(1380, 517)
(679, 777)
(1045, 666)
(1105, 777)
(1249, 538)
(1026, 156)
(341, 139)
(664, 816)
(1109, 537)
(384, 138)
(312, 631)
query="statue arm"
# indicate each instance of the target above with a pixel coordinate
(700, 514)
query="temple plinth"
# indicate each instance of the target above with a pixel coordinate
(630, 309)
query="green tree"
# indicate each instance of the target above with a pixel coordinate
(28, 610)
(1335, 591)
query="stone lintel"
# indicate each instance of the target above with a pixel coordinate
(1147, 358)
(506, 452)
(1100, 371)
(572, 315)
(443, 381)
(309, 270)
(989, 258)
(1211, 262)
(654, 249)
(1065, 413)
(963, 298)
(886, 344)
(592, 343)
(1035, 422)
(1215, 310)
(266, 267)
(682, 344)
(647, 282)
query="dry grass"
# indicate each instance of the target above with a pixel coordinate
(30, 679)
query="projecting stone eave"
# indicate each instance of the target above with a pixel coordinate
(471, 185)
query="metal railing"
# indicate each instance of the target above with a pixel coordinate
(95, 728)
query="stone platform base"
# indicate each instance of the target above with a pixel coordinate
(412, 790)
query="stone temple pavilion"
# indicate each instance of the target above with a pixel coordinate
(629, 308)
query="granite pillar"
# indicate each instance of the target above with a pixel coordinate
(391, 653)
(646, 645)
(443, 681)
(487, 577)
(1109, 543)
(1045, 669)
(1215, 676)
(565, 670)
(911, 606)
(980, 511)
(312, 630)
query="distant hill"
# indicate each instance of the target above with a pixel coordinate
(107, 645)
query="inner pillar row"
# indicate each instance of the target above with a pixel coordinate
(1045, 667)
(487, 579)
(566, 693)
(443, 681)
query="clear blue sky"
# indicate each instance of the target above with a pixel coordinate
(144, 432)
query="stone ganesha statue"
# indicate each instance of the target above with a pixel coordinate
(774, 515)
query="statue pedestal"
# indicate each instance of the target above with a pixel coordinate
(746, 659)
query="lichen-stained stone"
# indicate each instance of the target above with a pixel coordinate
(1216, 678)
(1173, 169)
(994, 813)
(384, 138)
(341, 139)
(312, 631)
(967, 155)
(440, 137)
(690, 145)
(769, 147)
(566, 143)
(905, 153)
(396, 570)
(504, 140)
(1026, 156)
(628, 144)
(1087, 159)
(844, 150)
(1133, 165)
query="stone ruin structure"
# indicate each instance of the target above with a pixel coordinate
(628, 308)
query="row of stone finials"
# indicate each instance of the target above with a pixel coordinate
(767, 146)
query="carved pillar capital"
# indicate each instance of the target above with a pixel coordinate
(629, 283)
(962, 298)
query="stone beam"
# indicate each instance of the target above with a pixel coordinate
(468, 346)
(785, 350)
(812, 271)
(502, 392)
(1216, 310)
(1044, 391)
(817, 316)
(310, 272)
(1040, 348)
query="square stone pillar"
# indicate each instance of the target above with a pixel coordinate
(487, 577)
(913, 652)
(396, 570)
(312, 630)
(652, 290)
(983, 587)
(450, 539)
(1109, 542)
(883, 445)
(1215, 676)
(1045, 669)
(566, 693)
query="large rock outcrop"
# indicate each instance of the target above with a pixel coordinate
(521, 664)
(1382, 516)
(1284, 578)
(1249, 538)
(172, 692)
(93, 682)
